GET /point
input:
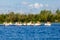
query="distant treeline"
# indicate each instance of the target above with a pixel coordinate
(43, 16)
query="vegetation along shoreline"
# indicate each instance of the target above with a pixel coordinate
(43, 16)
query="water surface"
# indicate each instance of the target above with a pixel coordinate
(30, 32)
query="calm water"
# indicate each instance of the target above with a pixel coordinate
(30, 32)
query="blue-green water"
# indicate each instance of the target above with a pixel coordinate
(30, 32)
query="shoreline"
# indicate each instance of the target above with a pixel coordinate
(47, 24)
(30, 23)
